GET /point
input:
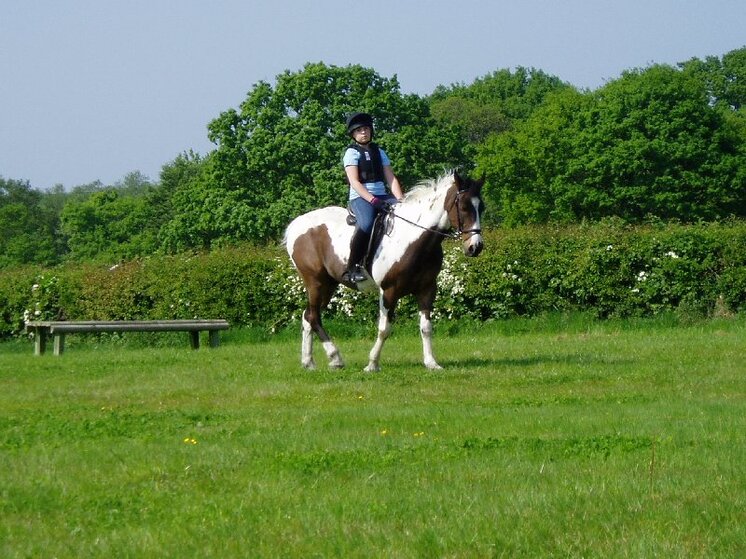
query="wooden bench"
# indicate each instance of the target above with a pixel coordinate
(42, 329)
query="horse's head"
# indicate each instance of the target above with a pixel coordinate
(464, 205)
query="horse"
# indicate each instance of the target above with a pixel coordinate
(407, 260)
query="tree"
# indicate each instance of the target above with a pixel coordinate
(109, 224)
(181, 202)
(493, 103)
(26, 227)
(649, 143)
(725, 78)
(279, 154)
(134, 184)
(523, 166)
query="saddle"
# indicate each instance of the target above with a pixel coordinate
(382, 225)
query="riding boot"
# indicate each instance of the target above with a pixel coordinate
(358, 249)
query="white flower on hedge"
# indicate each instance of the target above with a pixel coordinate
(609, 248)
(672, 254)
(451, 285)
(345, 301)
(294, 287)
(642, 276)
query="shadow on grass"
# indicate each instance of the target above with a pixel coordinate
(532, 361)
(411, 366)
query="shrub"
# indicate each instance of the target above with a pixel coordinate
(608, 269)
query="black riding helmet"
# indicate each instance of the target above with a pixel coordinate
(356, 120)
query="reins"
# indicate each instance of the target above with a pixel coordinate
(448, 235)
(453, 235)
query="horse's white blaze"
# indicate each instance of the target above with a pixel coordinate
(476, 238)
(475, 204)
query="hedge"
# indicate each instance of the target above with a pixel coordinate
(608, 269)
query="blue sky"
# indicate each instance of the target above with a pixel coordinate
(94, 89)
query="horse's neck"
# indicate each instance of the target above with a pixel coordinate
(426, 211)
(420, 214)
(416, 217)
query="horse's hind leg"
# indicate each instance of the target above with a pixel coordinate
(306, 346)
(319, 295)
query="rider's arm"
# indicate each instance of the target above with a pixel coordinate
(353, 175)
(393, 182)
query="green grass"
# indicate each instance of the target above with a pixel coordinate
(555, 437)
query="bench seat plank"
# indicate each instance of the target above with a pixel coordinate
(44, 328)
(139, 326)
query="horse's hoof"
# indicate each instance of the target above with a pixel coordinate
(372, 368)
(309, 365)
(336, 365)
(433, 366)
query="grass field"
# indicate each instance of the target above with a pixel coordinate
(556, 437)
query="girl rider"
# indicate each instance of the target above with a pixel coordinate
(368, 171)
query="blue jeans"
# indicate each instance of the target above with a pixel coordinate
(365, 213)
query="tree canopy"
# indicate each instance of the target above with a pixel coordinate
(27, 225)
(663, 142)
(655, 142)
(279, 154)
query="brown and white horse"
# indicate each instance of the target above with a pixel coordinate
(407, 260)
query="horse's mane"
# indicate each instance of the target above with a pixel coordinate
(428, 187)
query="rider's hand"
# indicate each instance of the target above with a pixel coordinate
(380, 205)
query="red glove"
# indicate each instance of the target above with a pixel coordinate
(380, 205)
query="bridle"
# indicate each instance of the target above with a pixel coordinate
(460, 231)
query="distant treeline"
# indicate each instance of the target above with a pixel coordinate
(657, 144)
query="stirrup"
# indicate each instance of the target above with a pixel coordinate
(355, 274)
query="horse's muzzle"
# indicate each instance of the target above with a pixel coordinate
(473, 246)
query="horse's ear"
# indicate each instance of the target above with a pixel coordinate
(479, 183)
(459, 181)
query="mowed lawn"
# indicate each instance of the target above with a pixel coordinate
(544, 438)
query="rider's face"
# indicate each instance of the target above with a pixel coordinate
(362, 135)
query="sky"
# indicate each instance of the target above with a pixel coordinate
(96, 89)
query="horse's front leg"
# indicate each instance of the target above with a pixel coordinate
(426, 332)
(385, 316)
(426, 301)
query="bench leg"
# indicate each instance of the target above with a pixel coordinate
(40, 341)
(214, 338)
(194, 336)
(59, 344)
